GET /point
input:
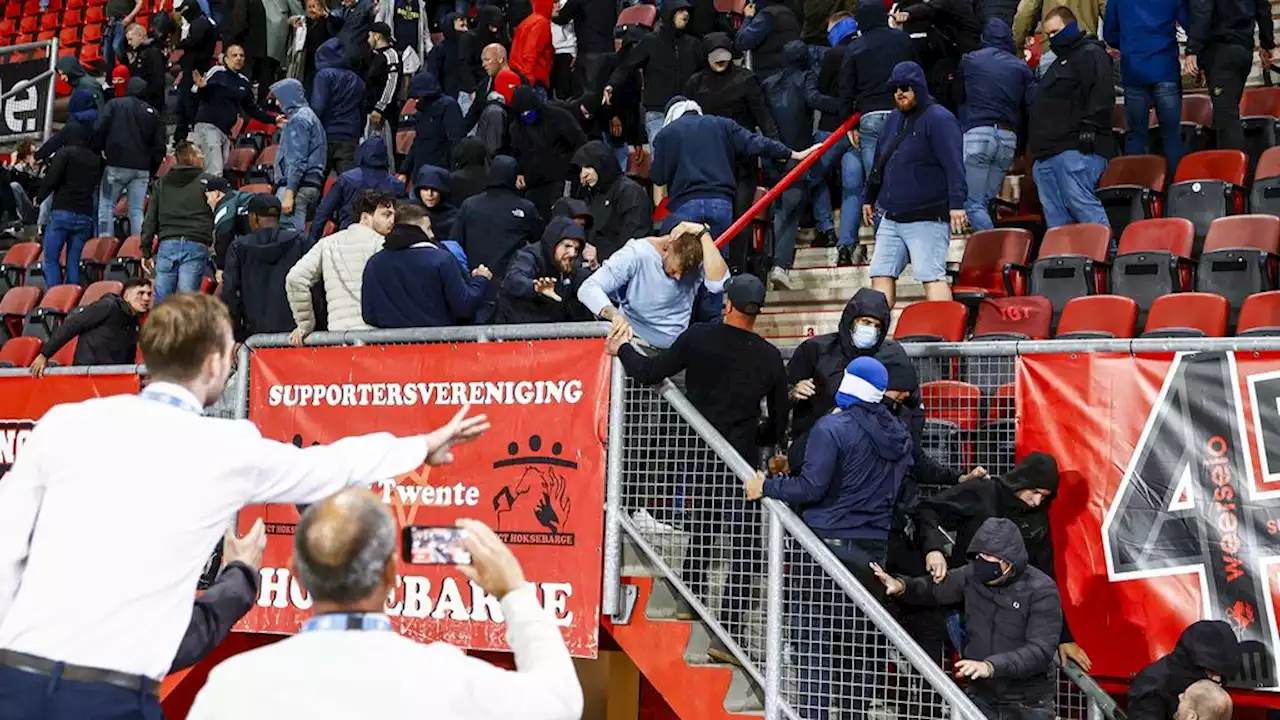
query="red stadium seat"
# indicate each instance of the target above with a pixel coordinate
(13, 268)
(94, 257)
(1264, 196)
(1072, 263)
(94, 15)
(51, 21)
(409, 110)
(939, 321)
(31, 7)
(8, 28)
(1197, 124)
(1014, 318)
(14, 307)
(75, 4)
(66, 355)
(264, 168)
(72, 18)
(1207, 186)
(239, 162)
(166, 165)
(92, 53)
(28, 24)
(994, 264)
(1098, 316)
(52, 310)
(1003, 404)
(641, 15)
(952, 413)
(257, 189)
(1239, 258)
(1259, 114)
(96, 291)
(91, 34)
(12, 11)
(128, 261)
(1190, 314)
(1132, 188)
(19, 352)
(1260, 315)
(1154, 260)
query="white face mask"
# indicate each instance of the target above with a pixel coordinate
(865, 336)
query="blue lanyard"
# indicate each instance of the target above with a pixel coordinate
(347, 621)
(168, 399)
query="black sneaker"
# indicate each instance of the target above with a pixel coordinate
(719, 652)
(845, 257)
(824, 239)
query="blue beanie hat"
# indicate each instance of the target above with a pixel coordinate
(865, 380)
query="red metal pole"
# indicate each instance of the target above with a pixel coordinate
(787, 181)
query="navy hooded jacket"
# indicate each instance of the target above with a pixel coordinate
(445, 56)
(997, 85)
(84, 112)
(517, 300)
(337, 95)
(854, 465)
(370, 174)
(418, 286)
(1143, 32)
(442, 216)
(493, 225)
(924, 179)
(695, 156)
(868, 60)
(438, 125)
(787, 101)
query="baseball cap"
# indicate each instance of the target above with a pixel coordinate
(263, 204)
(382, 29)
(719, 55)
(213, 183)
(746, 292)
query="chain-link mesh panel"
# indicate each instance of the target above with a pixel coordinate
(969, 411)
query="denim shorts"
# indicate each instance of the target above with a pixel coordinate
(922, 244)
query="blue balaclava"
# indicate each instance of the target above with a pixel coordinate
(865, 380)
(1069, 32)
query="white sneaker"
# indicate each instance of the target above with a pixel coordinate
(780, 279)
(647, 523)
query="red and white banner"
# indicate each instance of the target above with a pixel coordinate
(24, 400)
(1169, 506)
(537, 477)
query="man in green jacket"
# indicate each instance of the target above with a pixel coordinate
(180, 216)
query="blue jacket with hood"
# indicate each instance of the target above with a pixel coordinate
(438, 125)
(83, 109)
(301, 158)
(696, 154)
(869, 59)
(924, 179)
(854, 465)
(337, 95)
(1142, 30)
(996, 85)
(430, 177)
(493, 225)
(787, 95)
(370, 174)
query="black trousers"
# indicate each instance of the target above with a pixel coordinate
(186, 108)
(563, 83)
(717, 509)
(341, 156)
(263, 72)
(588, 72)
(1226, 69)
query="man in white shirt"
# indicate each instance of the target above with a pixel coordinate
(347, 662)
(79, 639)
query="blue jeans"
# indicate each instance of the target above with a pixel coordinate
(1167, 97)
(786, 222)
(112, 43)
(653, 123)
(118, 180)
(1065, 183)
(823, 218)
(28, 695)
(619, 151)
(716, 212)
(854, 167)
(180, 266)
(69, 229)
(305, 199)
(988, 155)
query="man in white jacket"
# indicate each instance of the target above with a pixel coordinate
(338, 262)
(348, 662)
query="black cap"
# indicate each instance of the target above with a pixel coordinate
(382, 29)
(214, 182)
(263, 204)
(746, 292)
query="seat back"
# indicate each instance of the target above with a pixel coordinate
(1146, 171)
(128, 261)
(1099, 316)
(13, 268)
(94, 257)
(952, 411)
(96, 291)
(1260, 102)
(264, 168)
(19, 352)
(1131, 189)
(1190, 314)
(1264, 195)
(1239, 259)
(1072, 263)
(932, 321)
(1208, 185)
(14, 307)
(642, 15)
(1154, 260)
(994, 263)
(60, 298)
(66, 355)
(1014, 318)
(1260, 315)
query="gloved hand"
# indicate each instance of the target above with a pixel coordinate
(1085, 142)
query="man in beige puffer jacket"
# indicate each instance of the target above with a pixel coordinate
(338, 261)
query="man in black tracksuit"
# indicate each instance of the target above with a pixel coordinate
(950, 28)
(620, 208)
(1207, 649)
(1013, 617)
(198, 49)
(543, 138)
(542, 280)
(108, 329)
(253, 282)
(1220, 43)
(593, 22)
(668, 58)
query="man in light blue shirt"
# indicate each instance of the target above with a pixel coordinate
(660, 276)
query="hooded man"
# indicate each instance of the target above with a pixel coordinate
(337, 98)
(543, 139)
(199, 44)
(445, 58)
(668, 58)
(542, 280)
(823, 91)
(788, 92)
(1207, 649)
(431, 190)
(994, 88)
(470, 173)
(770, 25)
(1013, 615)
(132, 135)
(180, 217)
(492, 226)
(73, 73)
(83, 112)
(370, 174)
(620, 208)
(350, 22)
(414, 282)
(72, 181)
(300, 161)
(943, 30)
(438, 125)
(918, 182)
(253, 283)
(531, 50)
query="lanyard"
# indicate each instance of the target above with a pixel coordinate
(168, 399)
(347, 621)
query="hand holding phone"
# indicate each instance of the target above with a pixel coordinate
(427, 545)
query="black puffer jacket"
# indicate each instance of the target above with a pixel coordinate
(620, 208)
(734, 93)
(253, 284)
(1013, 624)
(517, 301)
(1204, 645)
(668, 57)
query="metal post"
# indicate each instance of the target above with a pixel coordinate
(51, 96)
(241, 398)
(773, 627)
(612, 574)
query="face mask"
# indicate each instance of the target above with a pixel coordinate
(865, 336)
(1064, 37)
(984, 570)
(529, 117)
(894, 406)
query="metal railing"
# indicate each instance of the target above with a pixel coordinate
(28, 86)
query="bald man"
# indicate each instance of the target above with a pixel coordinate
(1203, 700)
(348, 661)
(494, 60)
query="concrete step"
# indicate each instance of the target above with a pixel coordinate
(801, 325)
(812, 257)
(834, 286)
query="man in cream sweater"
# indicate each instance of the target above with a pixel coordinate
(347, 662)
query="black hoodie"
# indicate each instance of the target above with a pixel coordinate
(734, 93)
(517, 301)
(620, 208)
(543, 147)
(253, 281)
(74, 175)
(668, 57)
(593, 22)
(443, 60)
(131, 132)
(470, 170)
(149, 63)
(1204, 645)
(493, 225)
(870, 58)
(1014, 623)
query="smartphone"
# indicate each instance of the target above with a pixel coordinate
(430, 545)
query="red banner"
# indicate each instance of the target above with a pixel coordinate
(537, 477)
(24, 400)
(1169, 506)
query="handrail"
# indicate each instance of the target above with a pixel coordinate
(1100, 698)
(786, 182)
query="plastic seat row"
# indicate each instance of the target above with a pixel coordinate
(26, 312)
(1259, 117)
(103, 258)
(961, 417)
